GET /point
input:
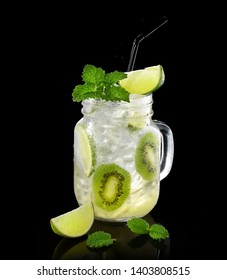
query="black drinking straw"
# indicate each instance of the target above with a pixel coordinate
(136, 42)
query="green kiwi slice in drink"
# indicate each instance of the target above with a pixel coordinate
(111, 186)
(146, 156)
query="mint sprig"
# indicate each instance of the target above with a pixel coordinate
(155, 231)
(100, 85)
(99, 239)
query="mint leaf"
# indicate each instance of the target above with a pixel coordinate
(138, 226)
(158, 232)
(92, 74)
(100, 85)
(117, 93)
(81, 91)
(114, 77)
(99, 239)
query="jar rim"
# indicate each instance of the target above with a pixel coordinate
(134, 99)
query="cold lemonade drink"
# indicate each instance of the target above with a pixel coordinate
(117, 156)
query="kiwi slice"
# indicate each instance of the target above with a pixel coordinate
(146, 157)
(136, 122)
(111, 186)
(86, 149)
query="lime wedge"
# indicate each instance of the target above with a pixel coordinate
(74, 223)
(144, 80)
(86, 149)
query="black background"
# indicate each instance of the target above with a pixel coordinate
(48, 51)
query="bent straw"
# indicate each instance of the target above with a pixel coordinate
(135, 45)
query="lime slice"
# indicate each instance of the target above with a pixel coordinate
(86, 149)
(144, 80)
(74, 223)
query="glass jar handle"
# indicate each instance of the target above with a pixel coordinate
(167, 149)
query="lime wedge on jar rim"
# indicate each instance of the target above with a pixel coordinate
(74, 223)
(144, 80)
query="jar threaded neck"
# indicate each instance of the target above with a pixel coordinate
(138, 106)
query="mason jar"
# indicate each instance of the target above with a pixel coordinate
(120, 156)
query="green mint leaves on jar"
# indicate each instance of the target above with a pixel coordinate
(100, 85)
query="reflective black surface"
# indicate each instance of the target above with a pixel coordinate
(126, 246)
(193, 235)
